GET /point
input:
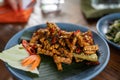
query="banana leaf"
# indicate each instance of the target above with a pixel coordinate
(13, 57)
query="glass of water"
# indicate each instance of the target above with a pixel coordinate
(105, 4)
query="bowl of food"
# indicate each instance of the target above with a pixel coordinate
(66, 52)
(109, 28)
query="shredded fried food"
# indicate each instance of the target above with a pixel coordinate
(60, 44)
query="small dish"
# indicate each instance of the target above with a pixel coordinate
(103, 25)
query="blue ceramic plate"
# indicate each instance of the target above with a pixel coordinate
(103, 24)
(75, 71)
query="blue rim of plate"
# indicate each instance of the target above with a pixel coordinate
(100, 23)
(76, 77)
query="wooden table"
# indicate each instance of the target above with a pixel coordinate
(112, 70)
(6, 32)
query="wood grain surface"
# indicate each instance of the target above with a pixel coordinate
(70, 12)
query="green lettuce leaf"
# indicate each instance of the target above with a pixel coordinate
(13, 57)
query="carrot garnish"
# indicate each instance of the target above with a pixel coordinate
(36, 62)
(33, 61)
(29, 60)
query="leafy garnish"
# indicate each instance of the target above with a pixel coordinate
(14, 56)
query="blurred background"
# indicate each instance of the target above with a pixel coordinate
(80, 12)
